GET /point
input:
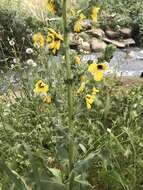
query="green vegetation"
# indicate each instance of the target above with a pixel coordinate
(65, 125)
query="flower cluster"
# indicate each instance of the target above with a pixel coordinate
(97, 70)
(54, 39)
(51, 5)
(90, 98)
(42, 89)
(94, 13)
(78, 26)
(38, 40)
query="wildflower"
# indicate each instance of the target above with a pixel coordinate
(94, 91)
(29, 50)
(89, 101)
(81, 88)
(47, 99)
(41, 87)
(94, 14)
(51, 6)
(16, 60)
(78, 26)
(12, 42)
(54, 39)
(56, 35)
(31, 62)
(55, 46)
(97, 70)
(77, 60)
(90, 98)
(38, 39)
(82, 16)
(109, 130)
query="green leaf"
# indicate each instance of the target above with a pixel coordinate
(57, 174)
(84, 164)
(34, 167)
(13, 176)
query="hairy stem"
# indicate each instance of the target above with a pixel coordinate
(69, 86)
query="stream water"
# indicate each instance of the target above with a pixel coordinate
(126, 62)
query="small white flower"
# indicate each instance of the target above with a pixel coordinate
(12, 42)
(108, 130)
(12, 66)
(29, 50)
(31, 63)
(16, 60)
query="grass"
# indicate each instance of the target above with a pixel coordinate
(36, 153)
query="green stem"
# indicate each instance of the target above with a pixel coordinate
(69, 87)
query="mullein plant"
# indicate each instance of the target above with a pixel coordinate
(73, 174)
(95, 71)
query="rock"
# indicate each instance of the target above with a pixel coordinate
(125, 32)
(115, 42)
(74, 41)
(98, 33)
(97, 45)
(86, 23)
(129, 42)
(131, 54)
(85, 46)
(84, 36)
(112, 34)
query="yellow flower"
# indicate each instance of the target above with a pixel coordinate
(82, 16)
(97, 70)
(51, 6)
(94, 14)
(47, 99)
(54, 39)
(78, 26)
(38, 39)
(55, 46)
(89, 100)
(55, 34)
(81, 88)
(77, 60)
(41, 87)
(94, 91)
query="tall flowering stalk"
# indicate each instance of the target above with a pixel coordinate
(69, 87)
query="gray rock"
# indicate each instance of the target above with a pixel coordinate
(112, 34)
(129, 42)
(98, 33)
(115, 42)
(86, 23)
(125, 32)
(85, 46)
(97, 45)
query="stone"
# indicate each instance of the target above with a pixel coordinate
(74, 41)
(98, 33)
(86, 23)
(112, 34)
(129, 42)
(125, 32)
(115, 42)
(85, 46)
(84, 36)
(97, 45)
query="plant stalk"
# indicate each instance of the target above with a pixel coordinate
(69, 86)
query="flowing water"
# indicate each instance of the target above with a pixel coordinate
(126, 62)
